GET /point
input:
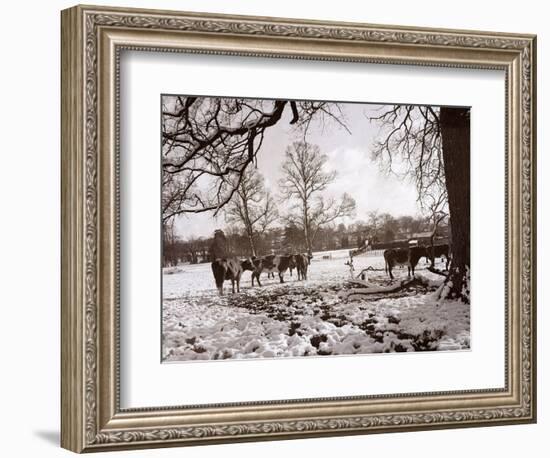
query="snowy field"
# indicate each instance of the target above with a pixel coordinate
(307, 318)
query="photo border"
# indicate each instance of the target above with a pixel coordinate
(161, 266)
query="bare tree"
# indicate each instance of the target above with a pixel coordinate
(388, 227)
(252, 207)
(193, 248)
(175, 194)
(168, 241)
(405, 224)
(304, 181)
(373, 226)
(374, 219)
(210, 141)
(432, 146)
(435, 205)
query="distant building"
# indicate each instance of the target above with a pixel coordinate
(425, 238)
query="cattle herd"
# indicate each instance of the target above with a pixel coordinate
(231, 268)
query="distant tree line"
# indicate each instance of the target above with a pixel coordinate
(377, 228)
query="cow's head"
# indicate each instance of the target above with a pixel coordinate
(419, 252)
(247, 264)
(292, 261)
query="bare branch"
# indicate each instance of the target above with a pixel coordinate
(304, 180)
(211, 142)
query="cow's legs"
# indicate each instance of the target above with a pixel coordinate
(256, 275)
(280, 277)
(218, 279)
(389, 270)
(233, 285)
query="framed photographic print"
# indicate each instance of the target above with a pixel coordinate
(278, 228)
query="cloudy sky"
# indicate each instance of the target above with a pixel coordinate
(348, 153)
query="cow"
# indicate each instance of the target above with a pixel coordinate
(438, 251)
(415, 254)
(251, 264)
(401, 256)
(302, 263)
(395, 256)
(270, 264)
(227, 269)
(301, 266)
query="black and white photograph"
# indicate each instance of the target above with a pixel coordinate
(275, 229)
(294, 228)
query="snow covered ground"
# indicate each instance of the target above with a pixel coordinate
(306, 318)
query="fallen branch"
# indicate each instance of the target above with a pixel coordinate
(369, 268)
(381, 289)
(358, 281)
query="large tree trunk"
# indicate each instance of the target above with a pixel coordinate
(455, 135)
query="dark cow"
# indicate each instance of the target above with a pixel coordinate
(415, 254)
(401, 256)
(394, 257)
(301, 266)
(302, 263)
(270, 264)
(438, 251)
(227, 269)
(251, 264)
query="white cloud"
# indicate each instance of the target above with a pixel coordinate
(373, 189)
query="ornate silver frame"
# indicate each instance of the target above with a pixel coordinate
(92, 38)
